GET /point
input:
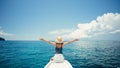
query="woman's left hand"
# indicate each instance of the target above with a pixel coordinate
(41, 38)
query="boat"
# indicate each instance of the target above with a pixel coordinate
(55, 64)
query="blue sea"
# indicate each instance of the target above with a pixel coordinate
(81, 54)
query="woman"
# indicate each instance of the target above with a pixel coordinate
(58, 43)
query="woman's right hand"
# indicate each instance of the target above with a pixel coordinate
(76, 40)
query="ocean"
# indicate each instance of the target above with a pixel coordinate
(81, 54)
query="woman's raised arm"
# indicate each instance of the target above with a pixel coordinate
(53, 43)
(70, 41)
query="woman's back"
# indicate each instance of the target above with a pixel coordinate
(59, 48)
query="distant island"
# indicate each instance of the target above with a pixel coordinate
(2, 39)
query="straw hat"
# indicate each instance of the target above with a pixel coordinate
(59, 39)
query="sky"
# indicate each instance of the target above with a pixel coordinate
(83, 19)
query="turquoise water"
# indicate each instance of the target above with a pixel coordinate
(82, 54)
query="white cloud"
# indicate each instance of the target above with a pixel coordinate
(108, 23)
(59, 32)
(116, 31)
(3, 33)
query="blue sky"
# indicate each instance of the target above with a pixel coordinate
(31, 19)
